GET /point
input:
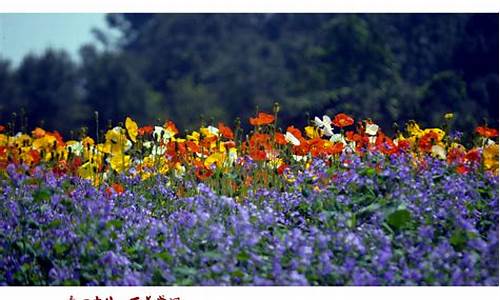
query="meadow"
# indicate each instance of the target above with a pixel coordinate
(335, 203)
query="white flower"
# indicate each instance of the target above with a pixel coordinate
(160, 134)
(76, 148)
(338, 138)
(438, 151)
(158, 150)
(291, 139)
(299, 157)
(325, 125)
(233, 155)
(213, 130)
(371, 129)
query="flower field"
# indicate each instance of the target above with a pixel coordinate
(335, 203)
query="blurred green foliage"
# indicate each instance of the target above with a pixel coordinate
(387, 67)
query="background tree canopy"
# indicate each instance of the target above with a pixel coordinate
(387, 67)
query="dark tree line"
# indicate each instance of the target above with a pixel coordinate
(388, 67)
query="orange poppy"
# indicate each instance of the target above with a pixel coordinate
(342, 120)
(425, 143)
(169, 125)
(145, 130)
(38, 133)
(282, 168)
(337, 148)
(262, 119)
(296, 132)
(280, 139)
(116, 188)
(58, 137)
(35, 156)
(258, 155)
(226, 131)
(385, 145)
(193, 147)
(230, 144)
(203, 173)
(487, 132)
(462, 169)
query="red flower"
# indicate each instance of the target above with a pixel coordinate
(171, 127)
(203, 173)
(258, 154)
(145, 130)
(342, 120)
(35, 156)
(119, 189)
(296, 132)
(262, 119)
(487, 132)
(336, 148)
(473, 155)
(462, 169)
(226, 131)
(455, 155)
(115, 188)
(282, 168)
(426, 142)
(385, 145)
(403, 146)
(193, 147)
(58, 137)
(2, 128)
(280, 139)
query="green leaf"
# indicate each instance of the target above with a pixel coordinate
(60, 248)
(243, 256)
(459, 239)
(54, 224)
(399, 219)
(165, 256)
(41, 195)
(370, 171)
(212, 255)
(186, 271)
(238, 274)
(117, 224)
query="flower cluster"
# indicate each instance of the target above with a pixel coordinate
(335, 203)
(214, 150)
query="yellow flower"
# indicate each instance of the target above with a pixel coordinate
(438, 131)
(449, 116)
(217, 158)
(275, 163)
(131, 129)
(209, 131)
(46, 142)
(120, 162)
(19, 140)
(178, 140)
(311, 132)
(195, 136)
(3, 140)
(87, 170)
(87, 141)
(413, 129)
(490, 157)
(116, 142)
